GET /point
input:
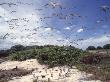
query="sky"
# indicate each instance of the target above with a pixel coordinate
(80, 23)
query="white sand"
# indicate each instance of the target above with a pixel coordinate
(41, 72)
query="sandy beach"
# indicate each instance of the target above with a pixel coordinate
(42, 72)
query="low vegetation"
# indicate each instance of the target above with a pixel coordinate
(100, 70)
(23, 55)
(95, 63)
(6, 75)
(51, 55)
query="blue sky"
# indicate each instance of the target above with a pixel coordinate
(92, 12)
(58, 22)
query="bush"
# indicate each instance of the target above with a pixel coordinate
(4, 53)
(91, 48)
(17, 48)
(107, 46)
(91, 59)
(99, 47)
(23, 55)
(54, 56)
(51, 55)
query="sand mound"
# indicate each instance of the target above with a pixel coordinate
(28, 64)
(41, 72)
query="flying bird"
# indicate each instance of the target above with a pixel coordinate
(105, 8)
(53, 5)
(4, 37)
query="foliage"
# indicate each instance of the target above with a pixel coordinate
(100, 70)
(50, 55)
(22, 55)
(107, 46)
(99, 47)
(91, 48)
(59, 56)
(4, 53)
(91, 59)
(17, 48)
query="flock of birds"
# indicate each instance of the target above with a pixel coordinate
(14, 22)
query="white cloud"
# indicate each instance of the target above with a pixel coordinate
(80, 30)
(48, 29)
(94, 41)
(23, 32)
(67, 28)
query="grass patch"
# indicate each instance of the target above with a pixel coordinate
(100, 71)
(6, 75)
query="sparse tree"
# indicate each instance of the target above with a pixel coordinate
(17, 48)
(91, 48)
(107, 46)
(99, 47)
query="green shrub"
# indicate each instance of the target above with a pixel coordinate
(23, 55)
(54, 56)
(51, 55)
